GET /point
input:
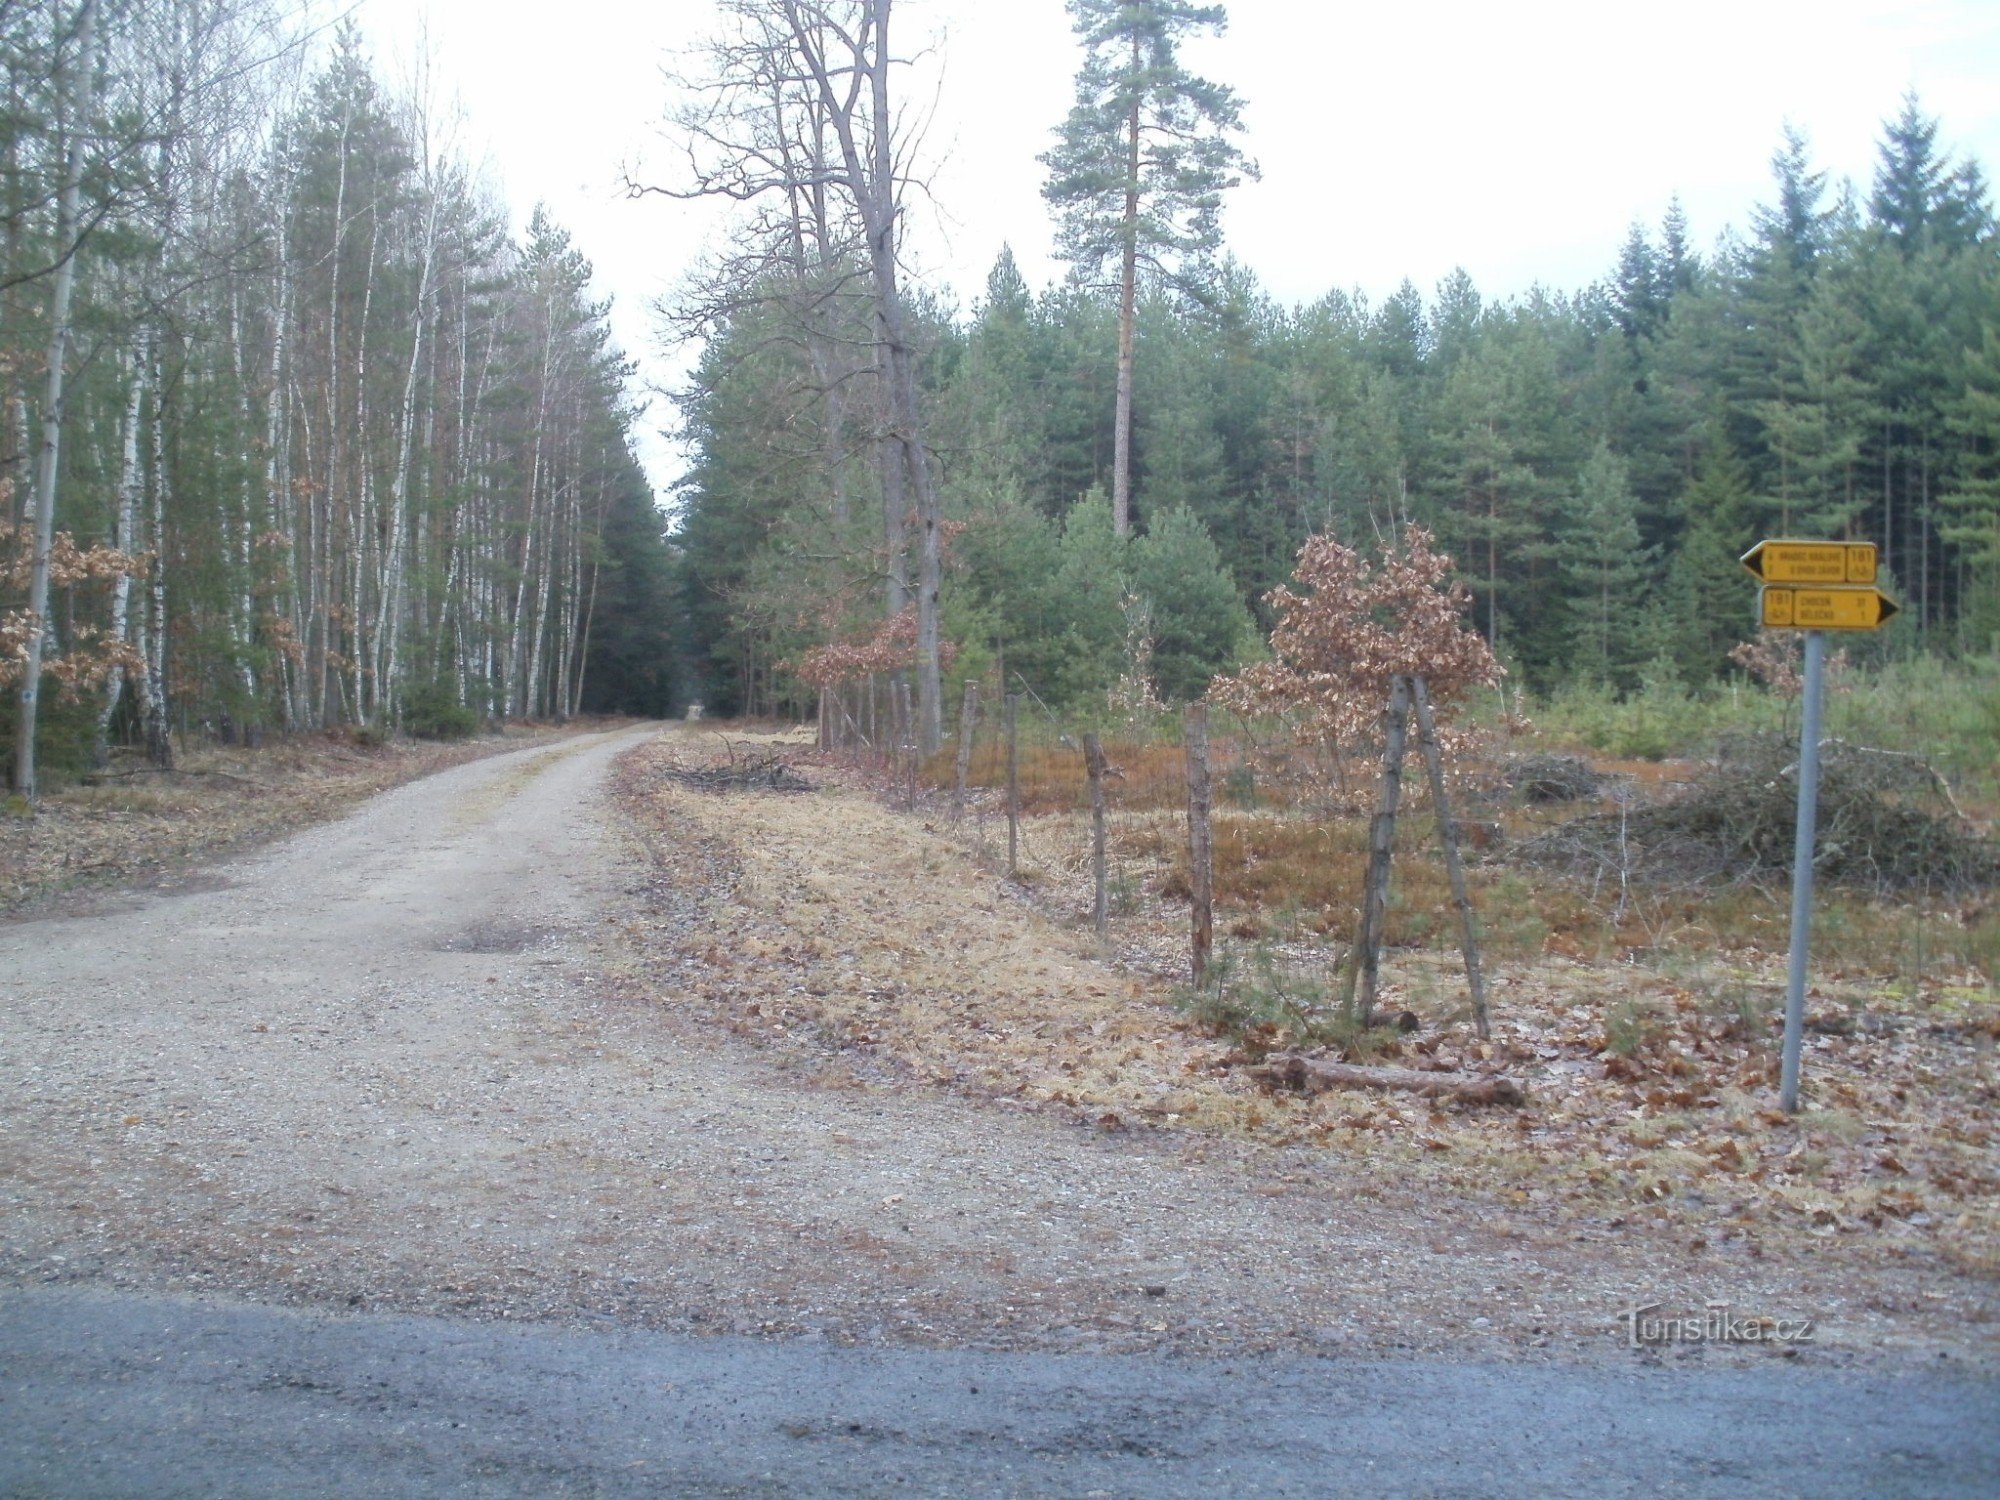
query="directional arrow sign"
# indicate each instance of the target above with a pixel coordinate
(1814, 562)
(1782, 608)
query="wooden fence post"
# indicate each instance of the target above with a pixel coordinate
(1093, 761)
(1365, 962)
(899, 692)
(968, 719)
(1468, 921)
(1201, 845)
(1013, 785)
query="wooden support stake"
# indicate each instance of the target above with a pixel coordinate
(968, 720)
(849, 734)
(1201, 844)
(1468, 920)
(1093, 761)
(1013, 785)
(1364, 964)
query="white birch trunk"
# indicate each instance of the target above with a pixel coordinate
(48, 466)
(130, 479)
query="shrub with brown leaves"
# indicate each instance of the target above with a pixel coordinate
(892, 647)
(89, 654)
(1352, 627)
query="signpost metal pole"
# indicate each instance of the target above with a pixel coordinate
(1802, 871)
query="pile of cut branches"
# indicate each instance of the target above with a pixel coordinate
(1887, 823)
(749, 772)
(1554, 778)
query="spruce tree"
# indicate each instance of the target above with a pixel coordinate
(1710, 598)
(1605, 568)
(1971, 503)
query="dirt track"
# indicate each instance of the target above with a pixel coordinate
(407, 1061)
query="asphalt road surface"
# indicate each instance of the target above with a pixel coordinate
(118, 1394)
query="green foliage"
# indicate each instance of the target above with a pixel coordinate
(1594, 463)
(630, 665)
(1092, 582)
(1661, 718)
(1258, 998)
(1608, 571)
(1631, 1025)
(1709, 604)
(433, 712)
(1198, 619)
(1946, 710)
(1132, 79)
(65, 742)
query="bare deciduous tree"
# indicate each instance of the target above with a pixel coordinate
(799, 109)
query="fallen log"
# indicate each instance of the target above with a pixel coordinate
(1316, 1077)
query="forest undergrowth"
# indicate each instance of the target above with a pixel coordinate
(1640, 1014)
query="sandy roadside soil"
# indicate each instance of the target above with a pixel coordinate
(464, 1051)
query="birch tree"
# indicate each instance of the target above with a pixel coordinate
(75, 101)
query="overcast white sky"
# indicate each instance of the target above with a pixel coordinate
(1519, 141)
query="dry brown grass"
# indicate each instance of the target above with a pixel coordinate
(1650, 1064)
(1143, 777)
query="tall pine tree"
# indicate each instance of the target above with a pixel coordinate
(1140, 167)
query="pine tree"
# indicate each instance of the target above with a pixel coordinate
(1771, 286)
(1605, 569)
(1140, 168)
(1640, 292)
(1198, 619)
(1093, 580)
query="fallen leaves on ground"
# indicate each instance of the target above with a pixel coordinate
(1651, 1088)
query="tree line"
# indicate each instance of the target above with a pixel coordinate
(1127, 461)
(294, 433)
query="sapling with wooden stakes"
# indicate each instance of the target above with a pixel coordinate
(1363, 646)
(1364, 961)
(1427, 737)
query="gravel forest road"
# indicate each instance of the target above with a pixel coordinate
(400, 1065)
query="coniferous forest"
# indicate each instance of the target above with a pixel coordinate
(1595, 459)
(295, 433)
(305, 437)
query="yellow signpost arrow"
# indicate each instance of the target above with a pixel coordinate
(1782, 608)
(1813, 562)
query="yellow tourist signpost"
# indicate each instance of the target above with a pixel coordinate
(1812, 562)
(1814, 587)
(1781, 608)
